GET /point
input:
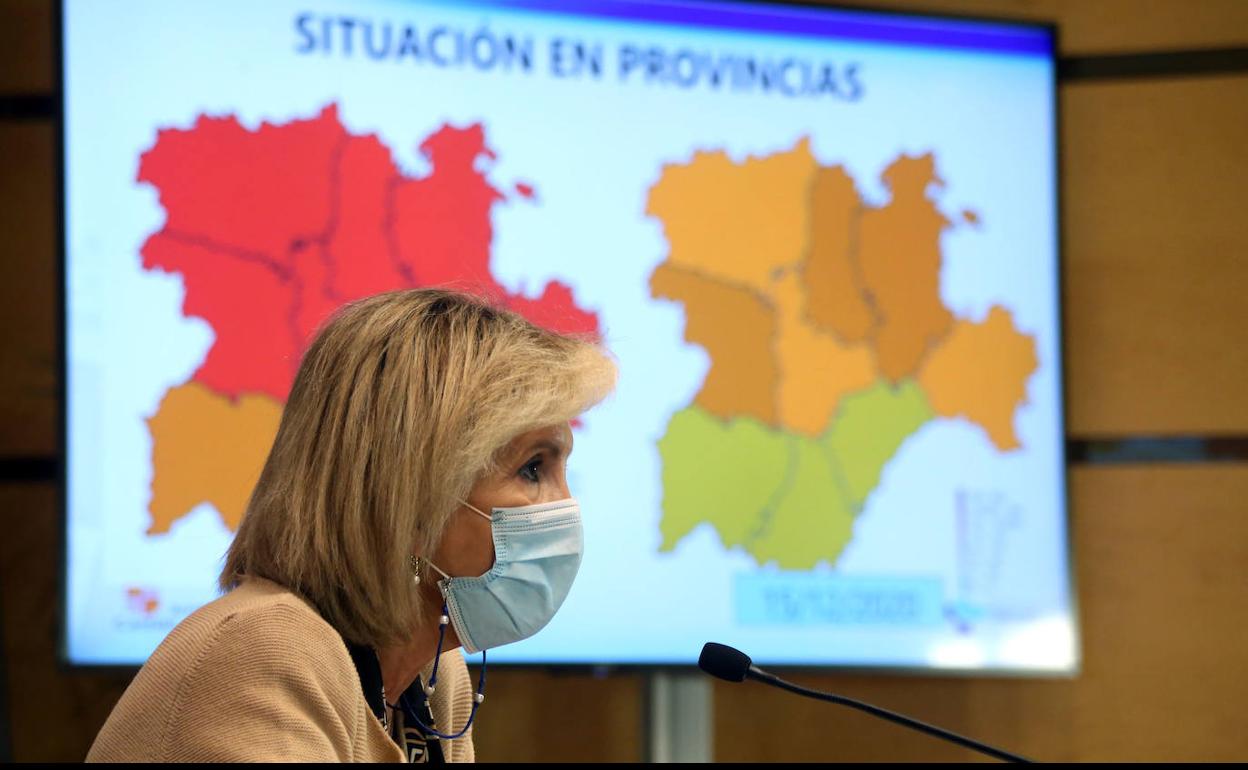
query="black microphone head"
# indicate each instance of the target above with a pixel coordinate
(724, 662)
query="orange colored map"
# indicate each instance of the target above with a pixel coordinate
(959, 384)
(803, 293)
(208, 448)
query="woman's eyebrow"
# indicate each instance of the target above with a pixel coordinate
(556, 448)
(558, 445)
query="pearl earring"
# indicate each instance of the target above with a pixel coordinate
(415, 570)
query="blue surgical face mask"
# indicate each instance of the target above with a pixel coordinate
(537, 552)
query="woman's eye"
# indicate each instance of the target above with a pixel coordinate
(529, 471)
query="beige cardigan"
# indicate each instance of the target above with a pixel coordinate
(256, 676)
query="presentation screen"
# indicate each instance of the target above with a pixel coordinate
(821, 244)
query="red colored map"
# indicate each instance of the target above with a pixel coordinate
(273, 229)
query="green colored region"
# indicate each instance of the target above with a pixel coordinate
(812, 521)
(783, 497)
(722, 473)
(868, 429)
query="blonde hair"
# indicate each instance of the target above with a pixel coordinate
(401, 403)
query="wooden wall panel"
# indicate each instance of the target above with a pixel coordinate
(1109, 26)
(26, 30)
(28, 275)
(539, 716)
(1156, 246)
(1161, 557)
(54, 715)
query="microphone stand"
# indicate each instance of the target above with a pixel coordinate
(758, 674)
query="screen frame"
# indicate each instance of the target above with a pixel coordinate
(1049, 27)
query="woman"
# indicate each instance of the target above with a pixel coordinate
(414, 501)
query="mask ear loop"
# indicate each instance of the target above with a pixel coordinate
(478, 511)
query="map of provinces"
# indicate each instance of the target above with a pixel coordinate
(829, 345)
(273, 228)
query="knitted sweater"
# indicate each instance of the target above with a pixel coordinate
(258, 675)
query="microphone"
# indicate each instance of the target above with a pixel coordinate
(730, 664)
